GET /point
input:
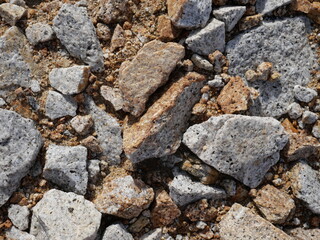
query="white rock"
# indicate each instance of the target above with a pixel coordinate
(19, 216)
(67, 167)
(60, 215)
(208, 39)
(116, 232)
(295, 110)
(309, 117)
(267, 6)
(12, 13)
(244, 147)
(229, 15)
(201, 62)
(39, 33)
(71, 80)
(304, 94)
(58, 105)
(82, 124)
(16, 234)
(217, 82)
(35, 86)
(112, 95)
(94, 169)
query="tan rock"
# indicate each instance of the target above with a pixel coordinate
(166, 30)
(92, 144)
(112, 95)
(149, 70)
(301, 5)
(275, 205)
(159, 131)
(264, 70)
(138, 225)
(113, 11)
(251, 75)
(250, 22)
(118, 39)
(124, 197)
(12, 13)
(241, 223)
(218, 61)
(304, 234)
(314, 12)
(165, 210)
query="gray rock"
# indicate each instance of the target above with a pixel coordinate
(267, 6)
(82, 124)
(108, 130)
(94, 169)
(67, 167)
(71, 80)
(304, 94)
(116, 232)
(306, 185)
(12, 13)
(189, 14)
(244, 147)
(39, 33)
(76, 32)
(309, 117)
(295, 110)
(304, 234)
(35, 86)
(201, 62)
(170, 160)
(20, 143)
(208, 39)
(20, 3)
(60, 215)
(291, 56)
(58, 105)
(112, 95)
(15, 233)
(184, 190)
(229, 15)
(155, 234)
(19, 216)
(2, 102)
(217, 82)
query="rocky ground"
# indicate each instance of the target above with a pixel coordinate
(162, 119)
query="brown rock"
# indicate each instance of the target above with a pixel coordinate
(201, 211)
(250, 22)
(118, 39)
(149, 70)
(314, 12)
(264, 70)
(103, 32)
(158, 133)
(138, 225)
(275, 205)
(218, 60)
(165, 210)
(92, 144)
(166, 30)
(114, 11)
(301, 5)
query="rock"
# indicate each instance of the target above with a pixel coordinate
(149, 70)
(58, 105)
(165, 210)
(114, 11)
(251, 75)
(189, 14)
(112, 95)
(35, 86)
(165, 28)
(304, 234)
(241, 223)
(184, 191)
(304, 94)
(218, 60)
(261, 44)
(118, 39)
(264, 70)
(67, 167)
(305, 184)
(314, 12)
(201, 62)
(20, 143)
(217, 82)
(15, 233)
(19, 216)
(93, 169)
(82, 124)
(155, 234)
(124, 197)
(208, 39)
(229, 15)
(108, 130)
(116, 232)
(80, 218)
(2, 102)
(276, 206)
(158, 132)
(230, 186)
(76, 32)
(295, 110)
(309, 117)
(139, 225)
(92, 144)
(249, 22)
(301, 6)
(316, 130)
(39, 33)
(201, 211)
(267, 6)
(103, 32)
(20, 3)
(71, 80)
(236, 96)
(220, 142)
(12, 13)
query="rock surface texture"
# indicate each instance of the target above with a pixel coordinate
(116, 232)
(229, 15)
(267, 6)
(39, 33)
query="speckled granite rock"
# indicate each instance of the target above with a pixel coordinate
(112, 95)
(116, 232)
(19, 216)
(39, 33)
(113, 11)
(12, 13)
(15, 233)
(304, 234)
(149, 70)
(230, 15)
(158, 132)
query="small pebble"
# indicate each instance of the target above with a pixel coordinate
(309, 117)
(201, 63)
(295, 111)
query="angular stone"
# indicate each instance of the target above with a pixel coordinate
(108, 130)
(218, 60)
(267, 6)
(295, 110)
(304, 94)
(241, 223)
(67, 167)
(304, 234)
(208, 39)
(19, 216)
(114, 11)
(15, 233)
(262, 44)
(301, 5)
(76, 32)
(165, 28)
(12, 13)
(60, 215)
(93, 169)
(58, 105)
(189, 14)
(112, 95)
(82, 124)
(103, 32)
(124, 197)
(116, 232)
(276, 206)
(149, 70)
(184, 190)
(158, 132)
(118, 39)
(229, 15)
(92, 144)
(20, 143)
(71, 80)
(20, 3)
(305, 184)
(39, 33)
(316, 129)
(244, 147)
(314, 12)
(155, 234)
(201, 62)
(309, 117)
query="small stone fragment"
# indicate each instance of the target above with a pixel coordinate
(2, 102)
(12, 13)
(304, 234)
(67, 167)
(250, 22)
(314, 12)
(165, 28)
(80, 218)
(139, 225)
(58, 105)
(316, 130)
(71, 80)
(118, 39)
(201, 62)
(208, 39)
(103, 32)
(251, 75)
(155, 234)
(217, 82)
(82, 124)
(264, 71)
(19, 216)
(112, 95)
(15, 233)
(189, 14)
(93, 169)
(309, 117)
(301, 5)
(114, 11)
(92, 144)
(39, 33)
(149, 70)
(218, 60)
(35, 86)
(304, 94)
(295, 111)
(116, 232)
(241, 223)
(124, 197)
(20, 3)
(229, 15)
(267, 6)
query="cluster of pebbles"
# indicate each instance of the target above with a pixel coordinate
(163, 119)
